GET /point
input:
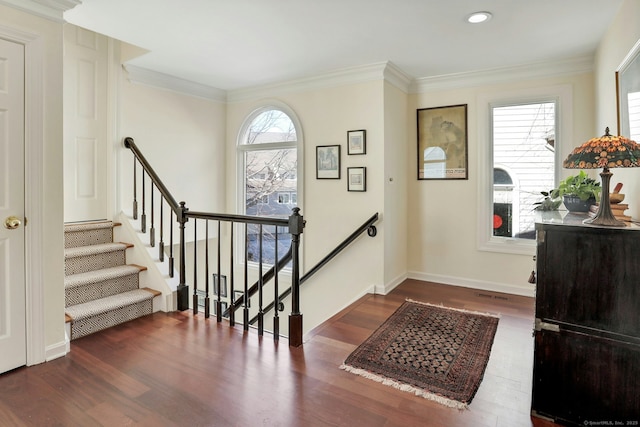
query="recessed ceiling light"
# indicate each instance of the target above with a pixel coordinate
(478, 17)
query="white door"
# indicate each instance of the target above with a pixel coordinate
(13, 347)
(85, 125)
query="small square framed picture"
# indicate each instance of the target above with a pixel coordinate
(357, 179)
(357, 142)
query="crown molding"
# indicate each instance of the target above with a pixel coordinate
(144, 76)
(382, 71)
(48, 9)
(570, 66)
(372, 72)
(398, 78)
(352, 75)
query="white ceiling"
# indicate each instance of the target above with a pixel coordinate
(233, 44)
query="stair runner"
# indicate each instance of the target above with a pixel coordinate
(101, 290)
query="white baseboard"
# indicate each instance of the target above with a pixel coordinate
(57, 350)
(526, 289)
(388, 287)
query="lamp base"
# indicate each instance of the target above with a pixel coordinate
(605, 217)
(606, 222)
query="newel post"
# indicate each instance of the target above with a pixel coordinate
(296, 225)
(183, 289)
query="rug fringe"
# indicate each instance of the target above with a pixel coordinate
(405, 387)
(480, 313)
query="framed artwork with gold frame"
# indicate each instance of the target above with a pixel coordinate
(442, 143)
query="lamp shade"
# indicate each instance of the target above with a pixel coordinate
(607, 151)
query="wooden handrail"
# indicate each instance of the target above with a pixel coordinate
(247, 219)
(282, 262)
(367, 226)
(128, 143)
(294, 223)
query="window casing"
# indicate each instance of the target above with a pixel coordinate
(520, 196)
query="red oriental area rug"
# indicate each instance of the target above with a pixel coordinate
(435, 352)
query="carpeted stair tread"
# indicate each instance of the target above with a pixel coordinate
(95, 249)
(94, 257)
(100, 321)
(88, 233)
(84, 226)
(89, 277)
(110, 303)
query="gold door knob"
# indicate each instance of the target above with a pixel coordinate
(12, 222)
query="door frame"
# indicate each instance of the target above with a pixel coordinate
(34, 173)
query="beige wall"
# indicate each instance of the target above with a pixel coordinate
(397, 121)
(443, 238)
(182, 137)
(45, 132)
(621, 37)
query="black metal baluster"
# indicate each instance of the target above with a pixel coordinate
(143, 218)
(161, 243)
(276, 298)
(152, 230)
(207, 306)
(219, 302)
(260, 285)
(195, 266)
(232, 312)
(135, 189)
(245, 295)
(171, 259)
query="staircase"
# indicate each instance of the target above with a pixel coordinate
(101, 290)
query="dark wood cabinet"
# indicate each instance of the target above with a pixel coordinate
(587, 332)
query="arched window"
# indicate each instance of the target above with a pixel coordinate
(435, 160)
(268, 148)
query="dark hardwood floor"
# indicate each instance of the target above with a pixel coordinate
(176, 369)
